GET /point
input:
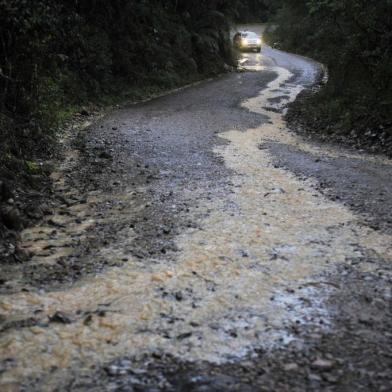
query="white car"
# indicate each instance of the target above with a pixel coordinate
(247, 40)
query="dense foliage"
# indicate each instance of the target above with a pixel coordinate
(354, 39)
(58, 56)
(57, 53)
(256, 10)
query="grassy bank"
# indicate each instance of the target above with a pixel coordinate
(353, 39)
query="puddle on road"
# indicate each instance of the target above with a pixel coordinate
(233, 286)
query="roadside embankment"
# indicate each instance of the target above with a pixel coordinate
(60, 65)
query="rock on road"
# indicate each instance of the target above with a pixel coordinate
(205, 247)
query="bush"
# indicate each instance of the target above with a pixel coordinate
(59, 54)
(354, 39)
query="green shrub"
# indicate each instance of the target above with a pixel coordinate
(354, 39)
(59, 54)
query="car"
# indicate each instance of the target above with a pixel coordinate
(247, 40)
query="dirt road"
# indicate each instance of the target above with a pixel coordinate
(203, 246)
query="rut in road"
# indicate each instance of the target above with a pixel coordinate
(255, 267)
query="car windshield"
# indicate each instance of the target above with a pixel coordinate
(249, 35)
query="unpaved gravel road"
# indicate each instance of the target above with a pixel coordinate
(203, 246)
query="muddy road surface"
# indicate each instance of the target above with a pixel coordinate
(201, 245)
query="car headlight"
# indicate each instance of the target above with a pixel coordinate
(259, 42)
(244, 42)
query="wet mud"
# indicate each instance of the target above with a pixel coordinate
(361, 184)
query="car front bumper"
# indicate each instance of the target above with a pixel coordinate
(250, 46)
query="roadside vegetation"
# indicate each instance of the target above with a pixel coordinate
(58, 59)
(353, 38)
(57, 56)
(256, 11)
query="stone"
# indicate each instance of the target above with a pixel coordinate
(12, 218)
(60, 317)
(323, 364)
(183, 336)
(179, 297)
(105, 155)
(314, 377)
(5, 191)
(291, 367)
